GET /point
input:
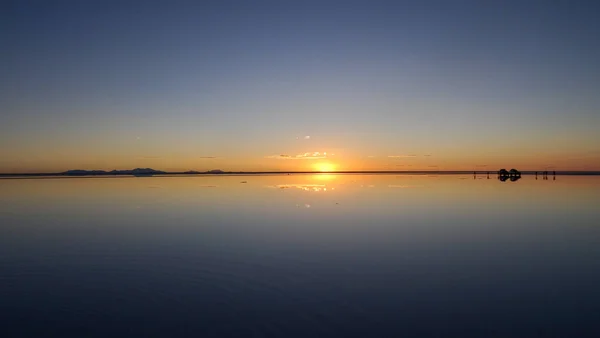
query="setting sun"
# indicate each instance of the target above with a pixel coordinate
(324, 167)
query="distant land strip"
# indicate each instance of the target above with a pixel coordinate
(151, 172)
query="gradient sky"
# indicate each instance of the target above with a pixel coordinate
(233, 85)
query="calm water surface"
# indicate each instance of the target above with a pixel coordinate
(300, 256)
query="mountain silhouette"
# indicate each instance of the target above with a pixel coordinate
(136, 172)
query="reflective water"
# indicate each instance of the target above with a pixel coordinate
(300, 256)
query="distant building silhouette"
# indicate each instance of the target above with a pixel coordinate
(513, 175)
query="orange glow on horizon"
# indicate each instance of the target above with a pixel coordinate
(324, 167)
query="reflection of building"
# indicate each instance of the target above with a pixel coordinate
(511, 178)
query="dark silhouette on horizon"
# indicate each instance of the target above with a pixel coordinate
(145, 172)
(545, 175)
(135, 172)
(513, 175)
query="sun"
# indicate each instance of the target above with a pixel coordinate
(324, 167)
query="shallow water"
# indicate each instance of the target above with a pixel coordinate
(300, 256)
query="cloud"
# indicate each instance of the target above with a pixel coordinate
(207, 157)
(305, 156)
(371, 156)
(401, 156)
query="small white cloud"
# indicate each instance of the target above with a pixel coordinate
(307, 137)
(401, 156)
(305, 156)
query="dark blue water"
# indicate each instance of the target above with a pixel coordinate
(300, 256)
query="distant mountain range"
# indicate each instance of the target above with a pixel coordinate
(134, 172)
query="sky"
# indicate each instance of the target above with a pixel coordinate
(299, 85)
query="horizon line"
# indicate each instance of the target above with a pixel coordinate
(128, 172)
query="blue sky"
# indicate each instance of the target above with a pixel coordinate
(107, 84)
